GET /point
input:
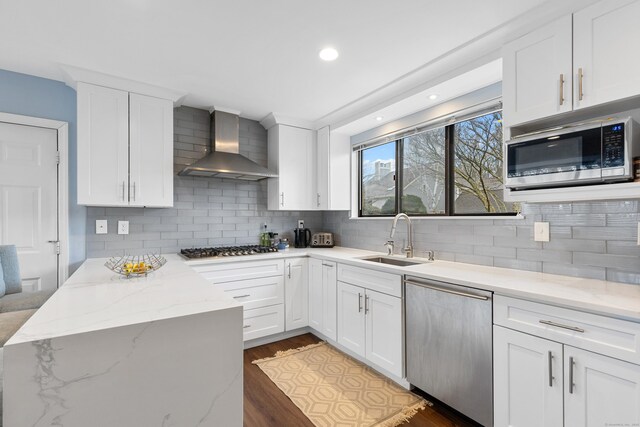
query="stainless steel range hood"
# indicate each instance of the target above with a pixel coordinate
(225, 160)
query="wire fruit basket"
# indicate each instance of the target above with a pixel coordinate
(135, 265)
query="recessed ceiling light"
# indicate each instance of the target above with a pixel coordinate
(379, 118)
(433, 96)
(328, 54)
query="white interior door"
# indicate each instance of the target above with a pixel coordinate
(29, 201)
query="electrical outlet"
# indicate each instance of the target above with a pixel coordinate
(123, 227)
(541, 231)
(101, 226)
(301, 223)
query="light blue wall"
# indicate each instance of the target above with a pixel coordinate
(37, 97)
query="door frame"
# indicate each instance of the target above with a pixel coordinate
(62, 129)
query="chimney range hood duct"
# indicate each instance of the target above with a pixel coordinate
(224, 160)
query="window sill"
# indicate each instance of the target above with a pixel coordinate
(437, 218)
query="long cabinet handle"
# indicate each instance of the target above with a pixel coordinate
(580, 79)
(560, 325)
(241, 296)
(134, 191)
(571, 384)
(318, 200)
(550, 369)
(246, 326)
(449, 291)
(289, 265)
(282, 199)
(561, 89)
(123, 198)
(359, 302)
(328, 265)
(366, 304)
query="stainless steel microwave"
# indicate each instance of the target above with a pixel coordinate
(591, 153)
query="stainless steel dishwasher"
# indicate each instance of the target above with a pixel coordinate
(449, 345)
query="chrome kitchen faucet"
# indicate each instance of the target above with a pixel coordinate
(409, 248)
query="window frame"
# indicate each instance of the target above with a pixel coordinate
(449, 176)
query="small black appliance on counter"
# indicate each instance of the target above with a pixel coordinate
(302, 237)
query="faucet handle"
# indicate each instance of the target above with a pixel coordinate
(390, 246)
(430, 255)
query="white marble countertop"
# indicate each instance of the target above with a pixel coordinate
(95, 298)
(597, 296)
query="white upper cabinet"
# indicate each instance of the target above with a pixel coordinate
(292, 153)
(103, 146)
(150, 151)
(125, 148)
(605, 68)
(537, 73)
(581, 60)
(333, 170)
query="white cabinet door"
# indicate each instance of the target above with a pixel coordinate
(151, 151)
(315, 294)
(605, 391)
(384, 331)
(103, 146)
(537, 73)
(603, 34)
(292, 154)
(296, 294)
(528, 380)
(329, 300)
(333, 162)
(322, 166)
(351, 318)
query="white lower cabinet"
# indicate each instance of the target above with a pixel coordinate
(370, 325)
(296, 291)
(527, 380)
(323, 297)
(600, 390)
(542, 382)
(260, 322)
(259, 286)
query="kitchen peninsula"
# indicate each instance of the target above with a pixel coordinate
(104, 350)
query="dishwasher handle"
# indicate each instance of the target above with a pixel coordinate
(447, 290)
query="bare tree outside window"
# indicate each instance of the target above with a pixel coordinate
(423, 183)
(478, 165)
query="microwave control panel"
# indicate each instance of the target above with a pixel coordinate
(613, 145)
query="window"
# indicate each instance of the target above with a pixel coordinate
(378, 180)
(450, 170)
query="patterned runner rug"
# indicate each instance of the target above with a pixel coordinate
(332, 389)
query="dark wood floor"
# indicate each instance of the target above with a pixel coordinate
(266, 406)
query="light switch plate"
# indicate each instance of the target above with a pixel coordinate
(101, 226)
(123, 227)
(541, 231)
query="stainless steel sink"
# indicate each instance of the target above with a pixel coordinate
(392, 261)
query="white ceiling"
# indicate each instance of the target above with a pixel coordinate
(253, 56)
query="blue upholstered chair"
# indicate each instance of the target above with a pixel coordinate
(16, 307)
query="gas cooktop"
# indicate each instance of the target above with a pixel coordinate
(226, 251)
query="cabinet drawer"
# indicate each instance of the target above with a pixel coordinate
(386, 283)
(600, 334)
(240, 270)
(261, 322)
(256, 293)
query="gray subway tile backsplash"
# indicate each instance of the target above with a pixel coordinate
(588, 239)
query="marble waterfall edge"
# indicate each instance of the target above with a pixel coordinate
(182, 371)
